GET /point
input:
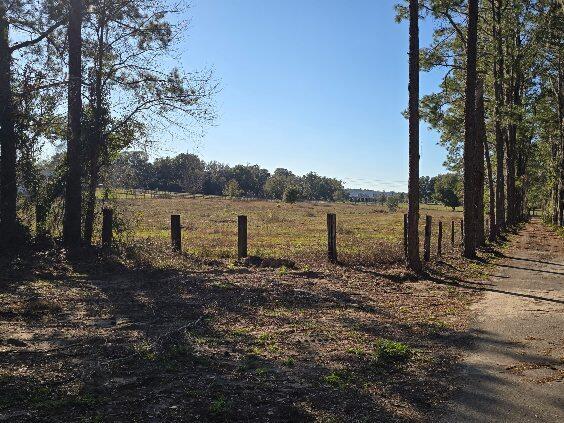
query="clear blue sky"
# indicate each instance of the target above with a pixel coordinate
(309, 85)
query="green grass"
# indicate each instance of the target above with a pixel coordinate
(388, 351)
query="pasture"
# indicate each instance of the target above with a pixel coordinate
(367, 234)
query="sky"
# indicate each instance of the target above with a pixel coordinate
(308, 85)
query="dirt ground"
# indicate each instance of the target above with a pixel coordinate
(104, 339)
(515, 369)
(99, 340)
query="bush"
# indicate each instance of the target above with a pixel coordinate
(232, 189)
(388, 351)
(291, 194)
(392, 202)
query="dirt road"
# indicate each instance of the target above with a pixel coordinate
(515, 369)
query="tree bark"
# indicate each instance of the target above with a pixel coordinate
(479, 156)
(513, 98)
(72, 223)
(491, 209)
(560, 174)
(8, 183)
(96, 138)
(413, 258)
(470, 211)
(499, 103)
(555, 196)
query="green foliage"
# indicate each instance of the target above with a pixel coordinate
(388, 351)
(219, 405)
(291, 194)
(447, 188)
(337, 379)
(392, 202)
(232, 189)
(426, 188)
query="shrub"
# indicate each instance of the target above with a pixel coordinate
(392, 202)
(232, 189)
(291, 194)
(391, 351)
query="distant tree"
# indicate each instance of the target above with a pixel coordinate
(426, 188)
(191, 170)
(383, 198)
(447, 187)
(216, 176)
(251, 179)
(392, 203)
(340, 195)
(317, 187)
(233, 190)
(131, 169)
(291, 194)
(277, 183)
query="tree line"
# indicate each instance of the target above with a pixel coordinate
(188, 173)
(499, 108)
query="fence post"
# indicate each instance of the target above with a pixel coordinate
(461, 231)
(241, 236)
(332, 237)
(107, 219)
(440, 239)
(427, 245)
(175, 233)
(405, 234)
(452, 233)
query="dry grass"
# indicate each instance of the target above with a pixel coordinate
(367, 234)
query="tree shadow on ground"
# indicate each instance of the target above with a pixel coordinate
(444, 279)
(121, 344)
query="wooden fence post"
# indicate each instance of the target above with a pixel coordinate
(427, 245)
(241, 236)
(461, 231)
(107, 219)
(332, 237)
(440, 239)
(405, 234)
(452, 233)
(175, 232)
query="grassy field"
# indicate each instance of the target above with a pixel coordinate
(367, 234)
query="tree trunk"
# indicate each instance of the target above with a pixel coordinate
(510, 152)
(413, 258)
(499, 103)
(470, 173)
(479, 155)
(555, 182)
(91, 198)
(8, 184)
(72, 224)
(560, 174)
(491, 209)
(96, 138)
